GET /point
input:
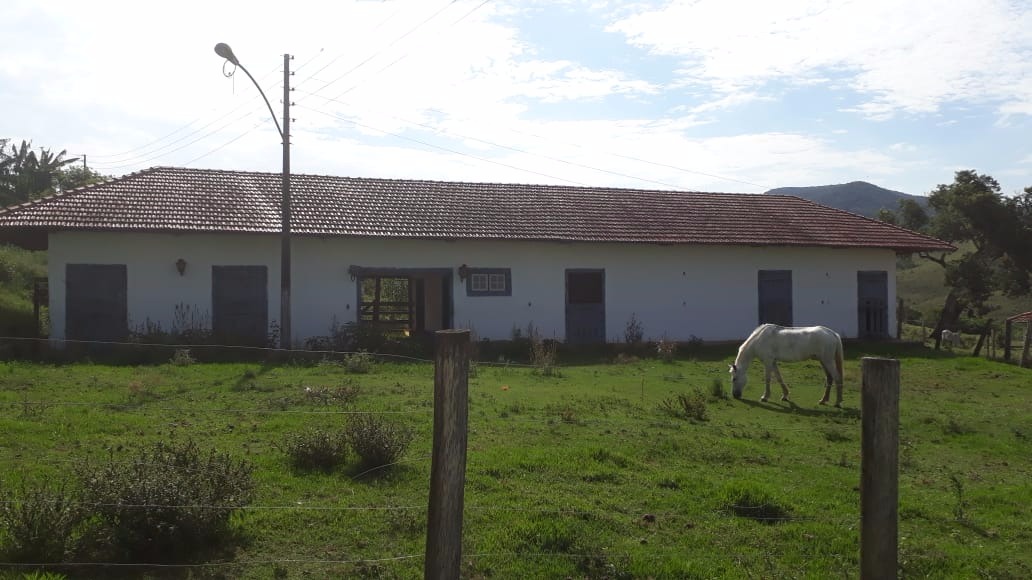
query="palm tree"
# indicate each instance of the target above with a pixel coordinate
(25, 175)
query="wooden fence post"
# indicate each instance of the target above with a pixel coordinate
(901, 309)
(448, 462)
(982, 337)
(879, 468)
(1007, 326)
(1025, 349)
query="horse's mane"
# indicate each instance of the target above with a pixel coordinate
(747, 346)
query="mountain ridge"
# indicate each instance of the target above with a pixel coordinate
(859, 197)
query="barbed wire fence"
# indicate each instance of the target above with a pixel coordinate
(457, 378)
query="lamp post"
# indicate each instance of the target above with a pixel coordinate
(222, 49)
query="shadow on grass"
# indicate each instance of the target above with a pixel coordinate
(791, 408)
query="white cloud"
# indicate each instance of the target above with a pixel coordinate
(910, 57)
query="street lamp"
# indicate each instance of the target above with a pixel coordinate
(222, 49)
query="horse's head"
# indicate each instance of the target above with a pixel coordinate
(738, 377)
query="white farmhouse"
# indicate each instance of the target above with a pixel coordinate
(577, 262)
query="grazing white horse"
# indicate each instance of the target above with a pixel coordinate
(951, 339)
(772, 343)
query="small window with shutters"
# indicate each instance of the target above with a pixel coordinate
(489, 282)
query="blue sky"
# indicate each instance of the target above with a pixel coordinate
(709, 95)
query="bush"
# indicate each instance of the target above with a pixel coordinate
(190, 495)
(358, 363)
(39, 523)
(182, 358)
(316, 449)
(717, 389)
(343, 395)
(376, 441)
(686, 405)
(666, 349)
(544, 355)
(634, 332)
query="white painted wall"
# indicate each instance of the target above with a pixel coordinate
(677, 291)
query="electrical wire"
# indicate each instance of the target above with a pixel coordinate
(442, 148)
(158, 140)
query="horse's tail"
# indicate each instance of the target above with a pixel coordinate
(838, 358)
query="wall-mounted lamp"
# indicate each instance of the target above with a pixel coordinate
(354, 272)
(463, 272)
(181, 266)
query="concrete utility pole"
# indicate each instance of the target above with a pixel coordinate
(222, 49)
(285, 341)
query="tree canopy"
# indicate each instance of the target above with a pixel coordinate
(973, 211)
(26, 174)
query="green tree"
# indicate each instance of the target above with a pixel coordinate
(972, 210)
(888, 216)
(79, 176)
(912, 216)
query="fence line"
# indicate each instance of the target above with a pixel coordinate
(721, 514)
(224, 563)
(43, 404)
(655, 553)
(267, 349)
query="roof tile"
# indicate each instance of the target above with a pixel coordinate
(169, 199)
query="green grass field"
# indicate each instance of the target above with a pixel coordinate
(580, 475)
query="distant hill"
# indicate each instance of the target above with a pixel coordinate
(858, 197)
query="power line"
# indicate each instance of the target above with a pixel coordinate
(226, 144)
(342, 54)
(404, 56)
(141, 160)
(385, 48)
(148, 145)
(442, 148)
(622, 156)
(518, 150)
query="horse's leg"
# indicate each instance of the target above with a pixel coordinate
(766, 383)
(784, 387)
(838, 391)
(827, 384)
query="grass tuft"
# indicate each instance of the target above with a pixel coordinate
(747, 502)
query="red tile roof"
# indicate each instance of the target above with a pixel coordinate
(170, 199)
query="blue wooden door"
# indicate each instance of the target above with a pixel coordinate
(585, 306)
(872, 290)
(775, 293)
(240, 305)
(96, 302)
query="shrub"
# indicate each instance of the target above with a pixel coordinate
(343, 395)
(544, 355)
(358, 363)
(634, 332)
(377, 441)
(665, 350)
(40, 523)
(316, 449)
(191, 495)
(686, 405)
(182, 358)
(717, 389)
